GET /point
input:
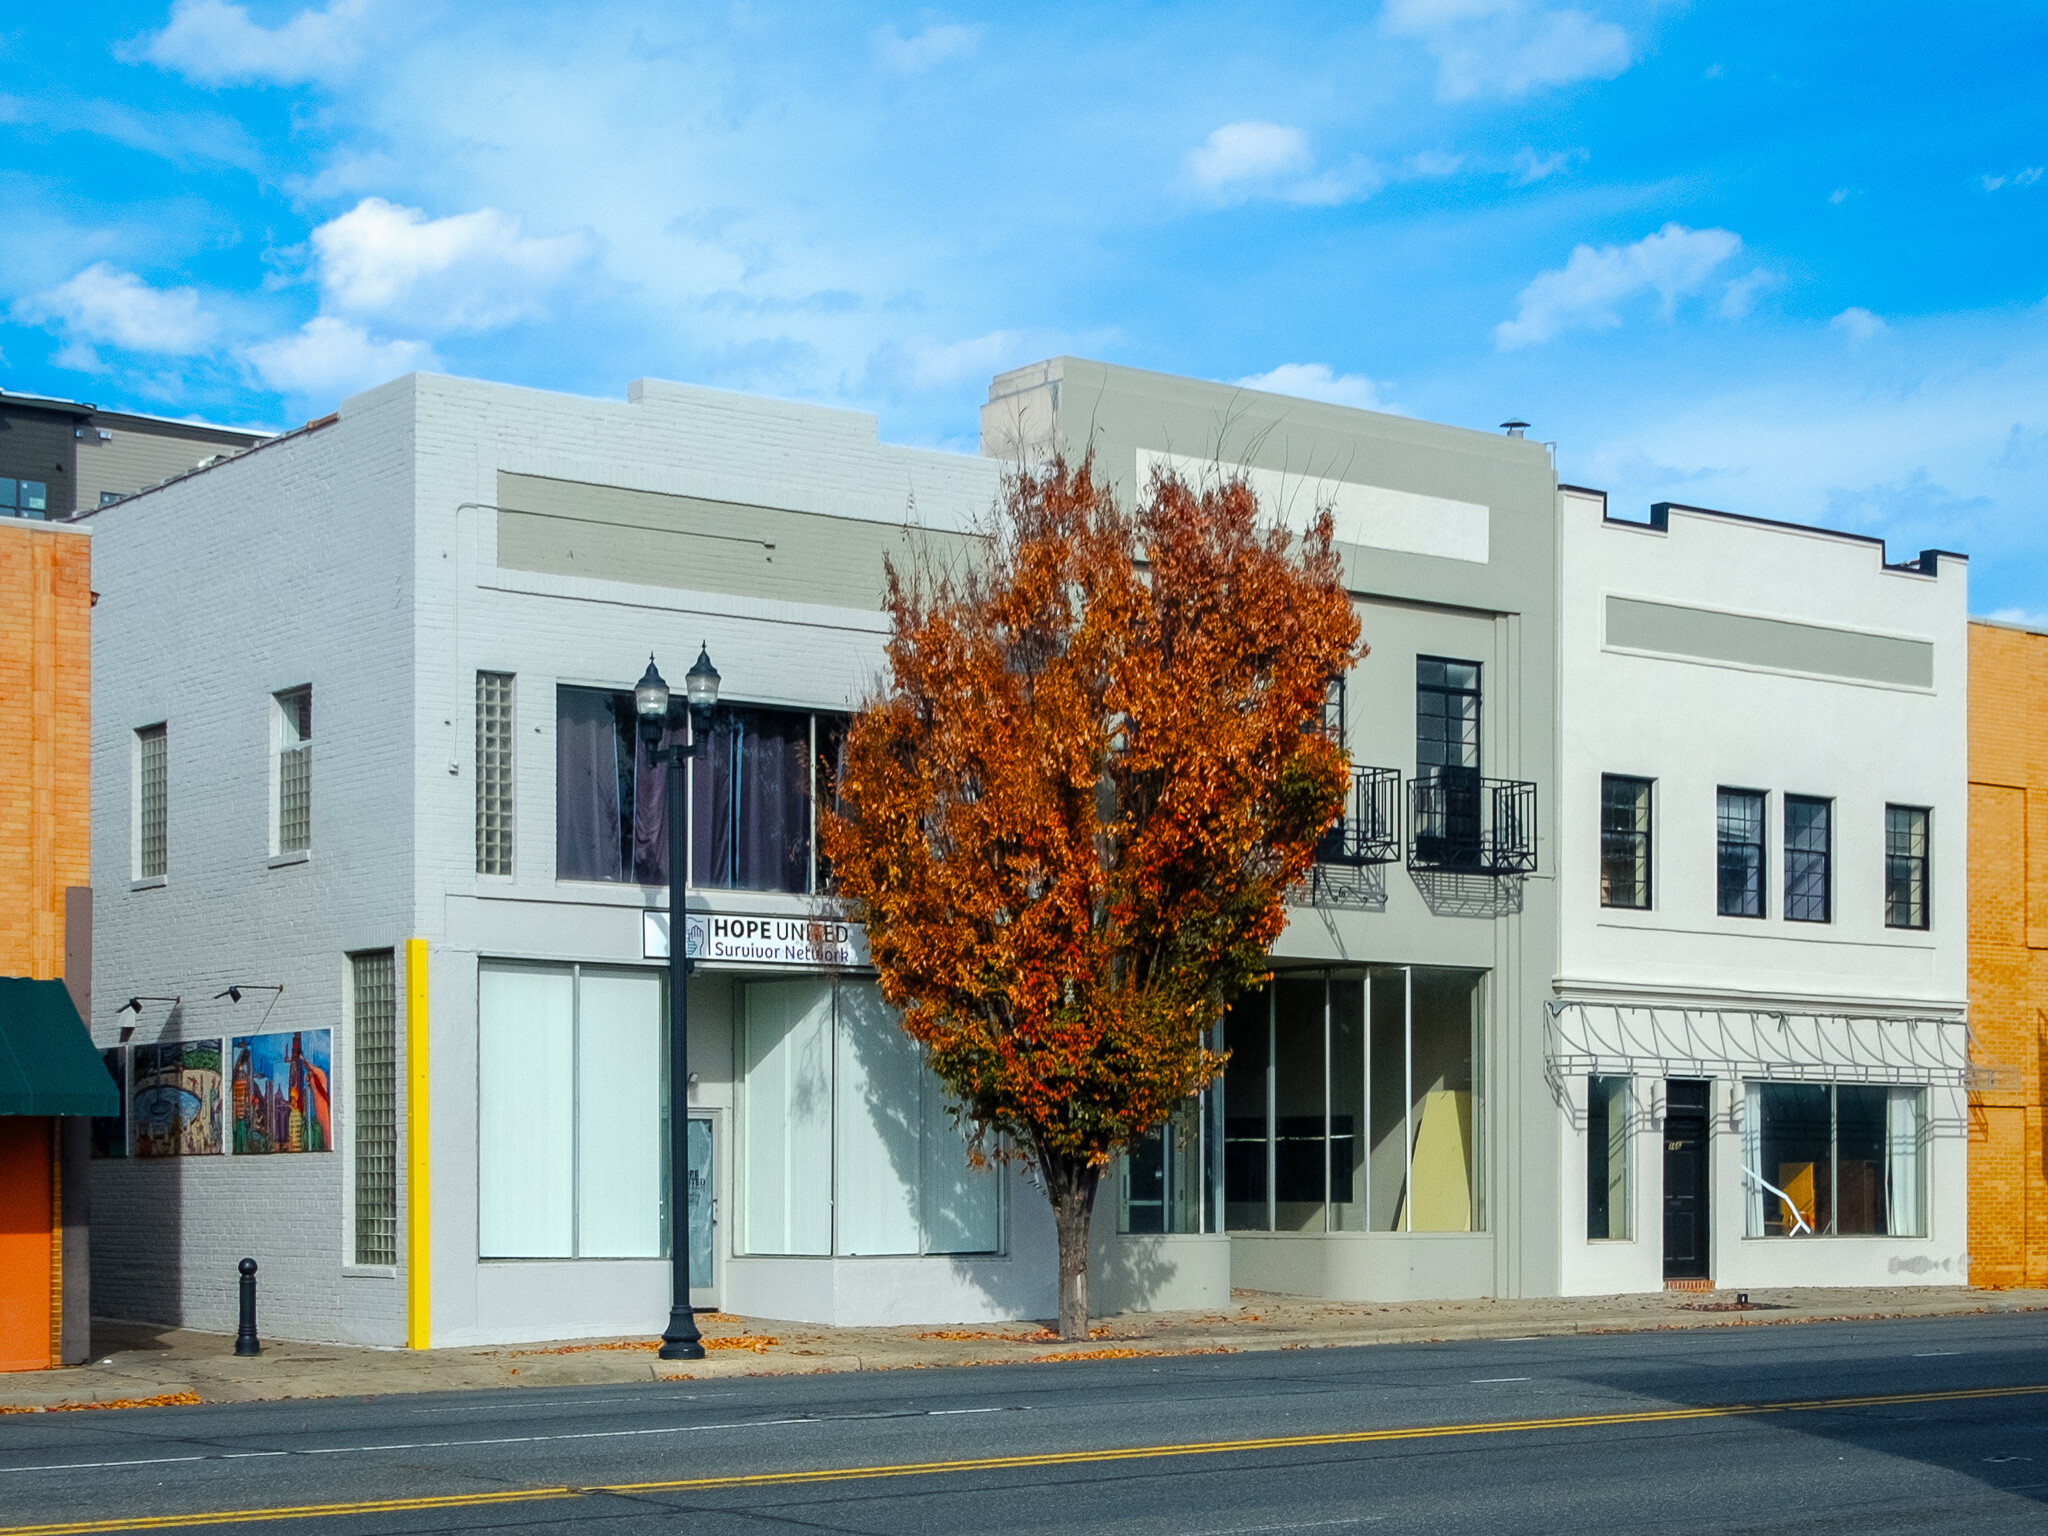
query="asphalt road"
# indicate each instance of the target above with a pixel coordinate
(1922, 1426)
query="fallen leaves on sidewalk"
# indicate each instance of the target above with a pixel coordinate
(167, 1400)
(1132, 1354)
(757, 1342)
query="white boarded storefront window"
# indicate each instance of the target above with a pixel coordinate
(570, 1140)
(846, 1144)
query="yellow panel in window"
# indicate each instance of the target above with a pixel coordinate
(1441, 1175)
(1796, 1179)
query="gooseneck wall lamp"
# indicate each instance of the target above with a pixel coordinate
(660, 714)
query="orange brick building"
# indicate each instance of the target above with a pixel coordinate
(45, 718)
(2008, 953)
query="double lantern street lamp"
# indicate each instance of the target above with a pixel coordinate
(660, 712)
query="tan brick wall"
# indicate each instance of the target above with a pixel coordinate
(45, 747)
(2008, 953)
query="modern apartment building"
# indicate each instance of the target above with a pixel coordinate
(1758, 1047)
(58, 457)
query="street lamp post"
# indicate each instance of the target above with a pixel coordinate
(658, 711)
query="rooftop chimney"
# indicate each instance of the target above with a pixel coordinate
(1514, 428)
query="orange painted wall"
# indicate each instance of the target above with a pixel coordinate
(28, 1254)
(45, 757)
(2008, 954)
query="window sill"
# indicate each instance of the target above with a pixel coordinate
(282, 860)
(369, 1271)
(149, 883)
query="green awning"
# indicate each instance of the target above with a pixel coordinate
(48, 1063)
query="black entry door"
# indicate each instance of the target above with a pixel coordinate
(1685, 1179)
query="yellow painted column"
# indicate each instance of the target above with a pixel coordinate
(418, 1267)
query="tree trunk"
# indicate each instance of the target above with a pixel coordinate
(1070, 1184)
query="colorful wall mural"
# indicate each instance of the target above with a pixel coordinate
(174, 1101)
(280, 1092)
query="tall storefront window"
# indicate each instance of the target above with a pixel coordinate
(1833, 1160)
(1351, 1103)
(1607, 1159)
(571, 1139)
(1162, 1177)
(846, 1145)
(754, 792)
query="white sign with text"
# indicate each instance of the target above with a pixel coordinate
(735, 939)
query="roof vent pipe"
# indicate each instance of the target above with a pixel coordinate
(1514, 428)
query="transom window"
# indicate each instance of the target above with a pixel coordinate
(1740, 884)
(1906, 855)
(1624, 841)
(1808, 854)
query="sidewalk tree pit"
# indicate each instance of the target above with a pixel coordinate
(1070, 814)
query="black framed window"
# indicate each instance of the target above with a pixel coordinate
(1809, 849)
(753, 790)
(1740, 863)
(1333, 711)
(1907, 853)
(1624, 841)
(1446, 715)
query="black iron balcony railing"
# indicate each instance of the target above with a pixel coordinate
(1458, 821)
(1369, 831)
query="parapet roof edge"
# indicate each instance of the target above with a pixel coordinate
(215, 463)
(2014, 626)
(1926, 563)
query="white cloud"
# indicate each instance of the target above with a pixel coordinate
(924, 364)
(470, 271)
(1858, 324)
(1317, 381)
(1840, 195)
(2020, 616)
(1508, 47)
(1253, 159)
(1739, 297)
(214, 42)
(327, 358)
(1590, 288)
(104, 304)
(1248, 152)
(934, 45)
(2020, 178)
(1433, 164)
(1532, 167)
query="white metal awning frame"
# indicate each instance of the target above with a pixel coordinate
(1583, 1038)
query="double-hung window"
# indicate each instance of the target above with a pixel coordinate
(292, 819)
(1907, 851)
(1809, 831)
(1740, 853)
(1624, 841)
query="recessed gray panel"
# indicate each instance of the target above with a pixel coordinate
(1777, 643)
(569, 528)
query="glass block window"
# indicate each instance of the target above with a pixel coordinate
(295, 770)
(1808, 853)
(152, 802)
(494, 773)
(1624, 841)
(1907, 852)
(375, 1032)
(1740, 855)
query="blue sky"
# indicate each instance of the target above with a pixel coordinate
(1780, 259)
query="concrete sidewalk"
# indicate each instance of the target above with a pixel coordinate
(140, 1365)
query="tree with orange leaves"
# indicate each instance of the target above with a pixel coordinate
(1070, 815)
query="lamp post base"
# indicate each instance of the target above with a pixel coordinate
(681, 1341)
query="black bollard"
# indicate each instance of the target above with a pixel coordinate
(246, 1342)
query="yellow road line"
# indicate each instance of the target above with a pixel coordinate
(1006, 1463)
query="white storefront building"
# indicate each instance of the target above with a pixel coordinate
(381, 868)
(1758, 1042)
